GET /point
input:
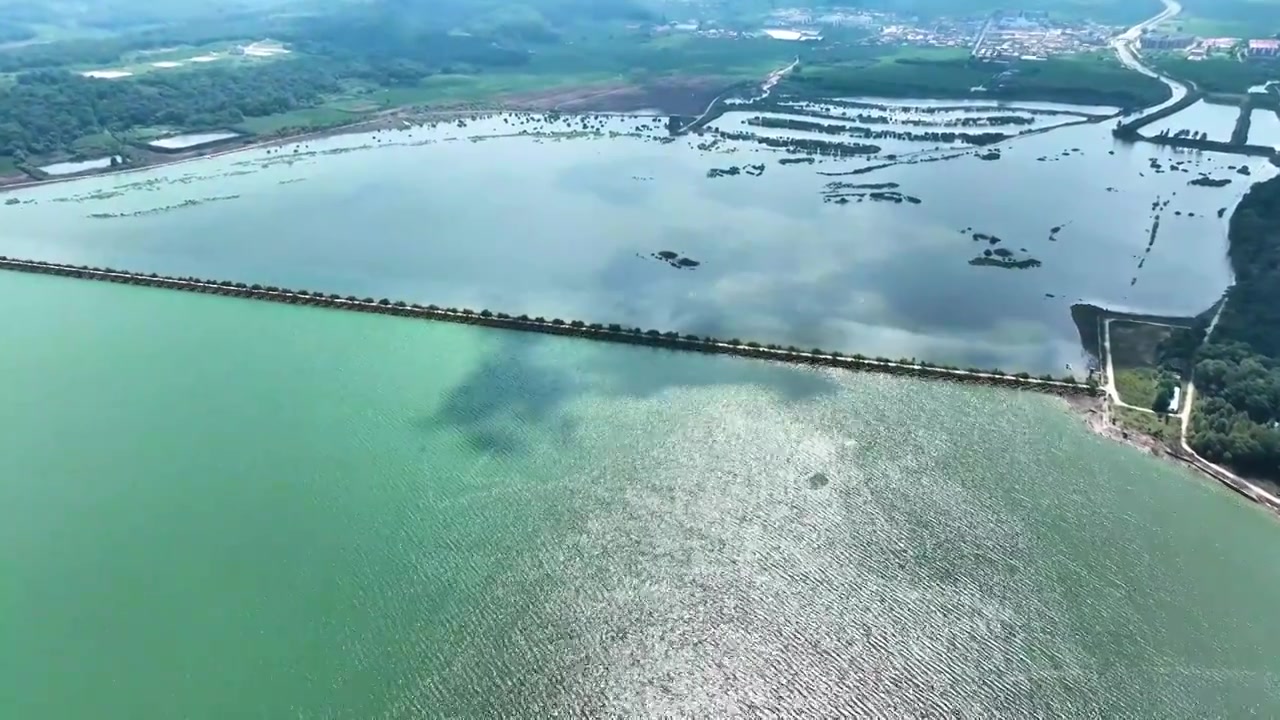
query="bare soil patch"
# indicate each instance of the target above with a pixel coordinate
(1096, 413)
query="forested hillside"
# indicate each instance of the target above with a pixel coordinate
(47, 110)
(363, 54)
(1237, 374)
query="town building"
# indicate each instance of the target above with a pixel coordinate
(1156, 41)
(1221, 44)
(1264, 48)
(793, 35)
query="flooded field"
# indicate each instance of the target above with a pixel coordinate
(946, 251)
(1217, 121)
(1264, 128)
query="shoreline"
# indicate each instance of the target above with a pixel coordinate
(396, 117)
(613, 332)
(1085, 400)
(182, 158)
(383, 119)
(1095, 413)
(392, 120)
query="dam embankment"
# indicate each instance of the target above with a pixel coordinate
(572, 328)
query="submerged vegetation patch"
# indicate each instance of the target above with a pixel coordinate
(804, 145)
(1008, 262)
(837, 185)
(1206, 181)
(879, 195)
(842, 193)
(162, 209)
(673, 259)
(936, 136)
(755, 170)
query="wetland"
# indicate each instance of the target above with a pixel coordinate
(545, 215)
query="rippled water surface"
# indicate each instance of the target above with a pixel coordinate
(215, 508)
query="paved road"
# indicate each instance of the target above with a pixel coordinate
(1125, 46)
(1110, 385)
(766, 87)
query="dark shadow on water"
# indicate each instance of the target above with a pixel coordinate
(508, 390)
(529, 381)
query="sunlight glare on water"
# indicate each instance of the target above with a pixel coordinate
(215, 508)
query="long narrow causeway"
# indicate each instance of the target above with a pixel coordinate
(576, 328)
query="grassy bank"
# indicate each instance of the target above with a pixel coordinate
(1162, 428)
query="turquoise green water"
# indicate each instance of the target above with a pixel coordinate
(214, 508)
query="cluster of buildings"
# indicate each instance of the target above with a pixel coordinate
(944, 35)
(1033, 36)
(718, 32)
(1000, 36)
(1197, 48)
(1039, 43)
(1003, 36)
(835, 17)
(1263, 49)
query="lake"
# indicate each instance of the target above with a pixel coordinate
(483, 217)
(216, 508)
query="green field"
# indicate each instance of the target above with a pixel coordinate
(1207, 27)
(1145, 356)
(1219, 74)
(1137, 386)
(441, 91)
(628, 59)
(1162, 428)
(317, 117)
(456, 89)
(948, 72)
(1229, 18)
(141, 62)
